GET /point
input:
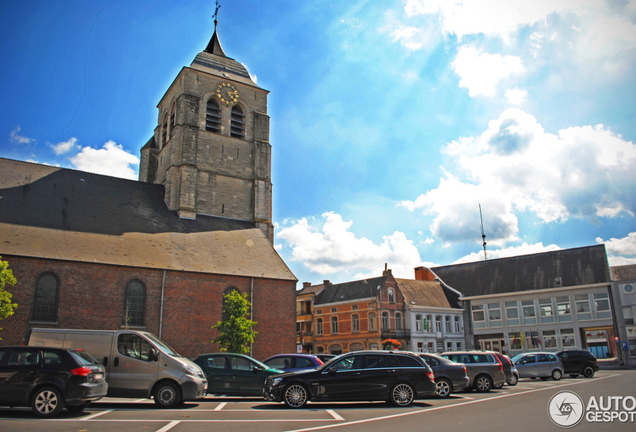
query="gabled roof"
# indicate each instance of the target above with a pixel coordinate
(427, 293)
(623, 273)
(562, 268)
(350, 291)
(313, 289)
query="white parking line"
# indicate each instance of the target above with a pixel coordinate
(220, 407)
(90, 417)
(168, 426)
(334, 415)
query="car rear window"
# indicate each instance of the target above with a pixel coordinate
(432, 361)
(410, 362)
(82, 358)
(302, 362)
(52, 358)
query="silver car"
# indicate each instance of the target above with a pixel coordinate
(538, 365)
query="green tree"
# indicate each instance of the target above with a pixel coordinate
(6, 278)
(236, 331)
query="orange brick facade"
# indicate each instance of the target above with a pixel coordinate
(91, 296)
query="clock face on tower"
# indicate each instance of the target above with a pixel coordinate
(227, 93)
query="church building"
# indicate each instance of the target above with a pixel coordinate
(96, 252)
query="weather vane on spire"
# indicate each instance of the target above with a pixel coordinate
(216, 14)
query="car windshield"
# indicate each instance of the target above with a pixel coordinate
(167, 349)
(517, 357)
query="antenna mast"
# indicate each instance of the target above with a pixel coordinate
(483, 236)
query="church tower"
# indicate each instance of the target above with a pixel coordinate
(211, 146)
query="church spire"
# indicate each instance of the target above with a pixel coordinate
(214, 46)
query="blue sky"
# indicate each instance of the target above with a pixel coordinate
(391, 121)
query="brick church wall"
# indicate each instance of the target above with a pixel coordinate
(91, 296)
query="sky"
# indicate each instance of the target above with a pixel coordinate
(392, 122)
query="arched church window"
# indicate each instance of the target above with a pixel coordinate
(134, 303)
(238, 122)
(213, 117)
(173, 116)
(45, 302)
(164, 131)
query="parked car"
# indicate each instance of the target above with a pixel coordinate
(484, 369)
(449, 376)
(511, 379)
(234, 374)
(515, 374)
(293, 362)
(397, 377)
(50, 379)
(538, 365)
(578, 362)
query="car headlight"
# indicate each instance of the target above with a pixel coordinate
(276, 381)
(190, 370)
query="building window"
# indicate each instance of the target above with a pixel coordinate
(45, 302)
(385, 320)
(319, 312)
(438, 323)
(449, 346)
(602, 306)
(529, 313)
(134, 303)
(447, 322)
(420, 347)
(458, 326)
(354, 307)
(334, 325)
(237, 127)
(391, 296)
(319, 326)
(173, 116)
(549, 340)
(494, 314)
(515, 341)
(334, 310)
(563, 309)
(479, 317)
(374, 346)
(583, 311)
(398, 321)
(532, 340)
(567, 338)
(545, 311)
(428, 323)
(372, 321)
(355, 323)
(418, 323)
(512, 313)
(213, 117)
(164, 131)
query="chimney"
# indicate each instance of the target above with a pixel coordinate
(424, 274)
(326, 283)
(387, 270)
(306, 285)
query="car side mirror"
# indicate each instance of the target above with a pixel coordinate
(256, 369)
(154, 354)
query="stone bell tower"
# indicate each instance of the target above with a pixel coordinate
(211, 146)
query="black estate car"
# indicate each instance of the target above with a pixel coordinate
(578, 362)
(449, 376)
(393, 376)
(49, 379)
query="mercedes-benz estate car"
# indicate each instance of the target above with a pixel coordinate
(392, 376)
(449, 376)
(485, 370)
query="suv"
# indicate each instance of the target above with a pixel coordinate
(485, 370)
(578, 362)
(395, 376)
(49, 379)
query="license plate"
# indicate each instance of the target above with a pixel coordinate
(98, 376)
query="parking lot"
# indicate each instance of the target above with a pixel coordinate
(523, 406)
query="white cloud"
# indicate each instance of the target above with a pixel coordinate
(622, 246)
(410, 38)
(620, 260)
(515, 166)
(524, 249)
(333, 248)
(516, 96)
(480, 72)
(64, 146)
(20, 139)
(110, 160)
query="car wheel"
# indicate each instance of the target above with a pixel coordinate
(295, 396)
(444, 387)
(402, 395)
(588, 372)
(573, 375)
(47, 402)
(514, 380)
(76, 408)
(483, 383)
(167, 395)
(556, 375)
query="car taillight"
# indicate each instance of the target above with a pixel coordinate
(83, 371)
(431, 376)
(465, 371)
(500, 363)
